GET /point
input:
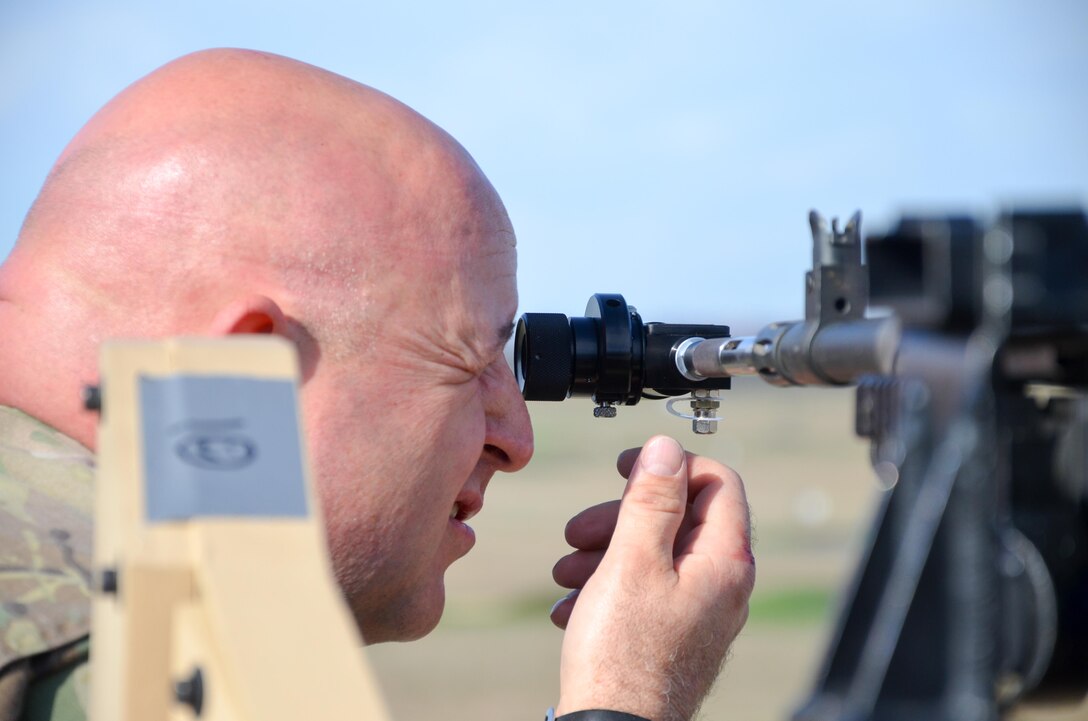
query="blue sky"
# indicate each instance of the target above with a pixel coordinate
(669, 152)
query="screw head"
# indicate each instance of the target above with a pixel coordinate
(107, 580)
(190, 691)
(92, 398)
(705, 426)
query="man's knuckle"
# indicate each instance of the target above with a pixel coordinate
(659, 497)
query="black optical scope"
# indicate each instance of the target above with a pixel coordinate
(612, 356)
(609, 354)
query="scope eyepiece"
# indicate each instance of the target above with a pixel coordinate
(609, 354)
(543, 354)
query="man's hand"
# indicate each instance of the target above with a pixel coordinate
(664, 578)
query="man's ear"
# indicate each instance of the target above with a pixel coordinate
(249, 314)
(260, 314)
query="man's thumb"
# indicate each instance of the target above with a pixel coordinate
(654, 501)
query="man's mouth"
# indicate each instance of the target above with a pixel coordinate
(464, 509)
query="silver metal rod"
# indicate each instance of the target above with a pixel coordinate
(716, 358)
(800, 353)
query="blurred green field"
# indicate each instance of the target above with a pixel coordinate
(495, 656)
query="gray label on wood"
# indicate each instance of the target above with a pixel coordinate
(221, 446)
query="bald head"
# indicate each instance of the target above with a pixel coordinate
(221, 179)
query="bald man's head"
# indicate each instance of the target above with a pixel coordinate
(229, 164)
(229, 172)
(238, 192)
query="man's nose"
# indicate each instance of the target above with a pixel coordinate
(509, 430)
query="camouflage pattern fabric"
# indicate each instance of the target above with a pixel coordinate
(46, 498)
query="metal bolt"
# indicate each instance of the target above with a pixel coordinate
(190, 691)
(92, 398)
(704, 407)
(108, 581)
(705, 426)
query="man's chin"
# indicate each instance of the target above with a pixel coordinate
(408, 620)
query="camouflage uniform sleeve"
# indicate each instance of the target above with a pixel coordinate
(61, 686)
(53, 686)
(46, 490)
